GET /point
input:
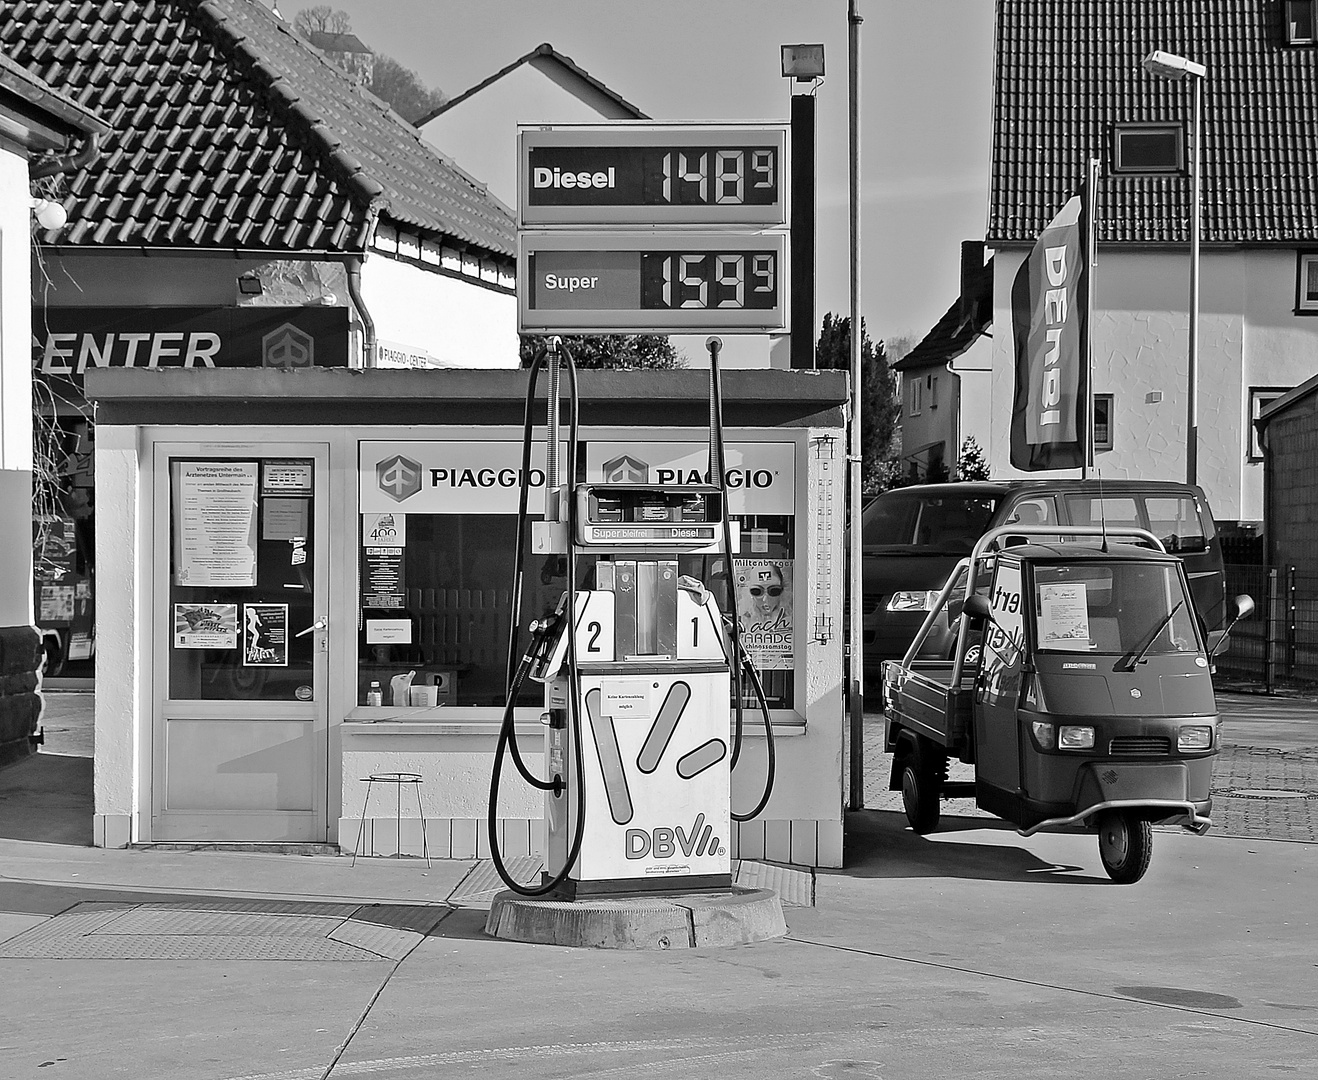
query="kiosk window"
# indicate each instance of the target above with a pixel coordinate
(242, 558)
(436, 600)
(436, 596)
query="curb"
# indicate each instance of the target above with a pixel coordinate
(694, 921)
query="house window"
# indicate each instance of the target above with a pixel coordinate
(1148, 148)
(917, 396)
(1302, 22)
(1102, 421)
(1306, 286)
(1260, 397)
(933, 391)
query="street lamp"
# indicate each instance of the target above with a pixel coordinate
(1170, 66)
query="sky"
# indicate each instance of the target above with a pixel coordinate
(925, 107)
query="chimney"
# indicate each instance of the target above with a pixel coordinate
(972, 273)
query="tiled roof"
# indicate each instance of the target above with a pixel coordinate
(1068, 70)
(230, 132)
(17, 80)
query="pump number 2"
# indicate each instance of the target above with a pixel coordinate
(595, 626)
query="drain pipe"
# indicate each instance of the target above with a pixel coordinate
(354, 266)
(90, 151)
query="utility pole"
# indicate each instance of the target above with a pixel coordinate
(855, 612)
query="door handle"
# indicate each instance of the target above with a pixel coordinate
(319, 624)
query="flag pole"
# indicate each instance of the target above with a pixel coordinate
(1091, 267)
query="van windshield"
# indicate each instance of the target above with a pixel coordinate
(926, 524)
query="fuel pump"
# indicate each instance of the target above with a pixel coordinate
(638, 670)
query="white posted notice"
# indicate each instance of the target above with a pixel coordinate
(215, 523)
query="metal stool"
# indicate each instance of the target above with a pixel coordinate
(398, 779)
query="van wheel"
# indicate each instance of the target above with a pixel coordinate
(1125, 844)
(921, 787)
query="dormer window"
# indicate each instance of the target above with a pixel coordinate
(1148, 148)
(1306, 288)
(1302, 22)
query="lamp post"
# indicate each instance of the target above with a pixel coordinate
(1170, 66)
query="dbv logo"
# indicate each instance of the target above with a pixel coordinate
(398, 477)
(663, 843)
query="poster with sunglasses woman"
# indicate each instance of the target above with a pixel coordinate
(764, 606)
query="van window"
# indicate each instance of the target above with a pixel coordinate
(1040, 511)
(1111, 511)
(946, 525)
(1176, 522)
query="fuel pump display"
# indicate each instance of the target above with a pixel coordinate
(640, 735)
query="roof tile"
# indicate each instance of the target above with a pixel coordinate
(1067, 71)
(240, 103)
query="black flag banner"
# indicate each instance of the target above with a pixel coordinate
(1049, 301)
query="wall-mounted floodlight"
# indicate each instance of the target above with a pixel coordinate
(250, 285)
(49, 214)
(803, 62)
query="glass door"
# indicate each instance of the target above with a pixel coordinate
(240, 629)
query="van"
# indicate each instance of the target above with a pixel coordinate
(913, 537)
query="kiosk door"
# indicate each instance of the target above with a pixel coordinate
(239, 617)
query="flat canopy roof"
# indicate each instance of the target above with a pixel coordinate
(314, 396)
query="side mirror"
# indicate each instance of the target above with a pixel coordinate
(1241, 608)
(978, 606)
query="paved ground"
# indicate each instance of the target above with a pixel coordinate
(971, 952)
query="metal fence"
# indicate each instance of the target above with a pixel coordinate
(1278, 643)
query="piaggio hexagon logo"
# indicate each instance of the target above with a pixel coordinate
(626, 470)
(288, 347)
(399, 477)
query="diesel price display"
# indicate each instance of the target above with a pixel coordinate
(652, 282)
(653, 174)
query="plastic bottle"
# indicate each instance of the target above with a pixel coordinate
(375, 696)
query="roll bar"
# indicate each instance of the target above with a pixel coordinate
(977, 554)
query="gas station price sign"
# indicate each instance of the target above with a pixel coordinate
(660, 282)
(653, 174)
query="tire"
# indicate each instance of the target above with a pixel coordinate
(921, 788)
(54, 657)
(1125, 844)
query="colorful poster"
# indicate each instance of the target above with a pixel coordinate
(265, 635)
(215, 523)
(205, 626)
(764, 610)
(383, 584)
(1049, 298)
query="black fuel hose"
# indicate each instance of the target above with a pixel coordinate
(717, 460)
(772, 765)
(507, 730)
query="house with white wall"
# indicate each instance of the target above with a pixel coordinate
(945, 379)
(479, 126)
(42, 132)
(252, 206)
(1069, 86)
